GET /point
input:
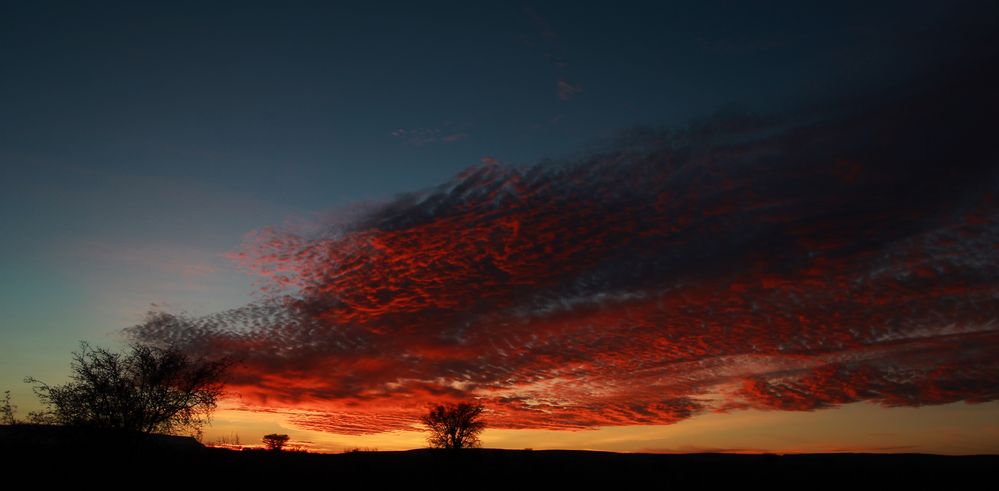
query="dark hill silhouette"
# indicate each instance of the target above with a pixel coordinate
(55, 438)
(168, 458)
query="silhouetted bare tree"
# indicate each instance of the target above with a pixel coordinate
(7, 410)
(275, 442)
(147, 389)
(454, 426)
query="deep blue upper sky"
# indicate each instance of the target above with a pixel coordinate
(299, 103)
(139, 138)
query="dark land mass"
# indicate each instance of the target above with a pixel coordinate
(89, 455)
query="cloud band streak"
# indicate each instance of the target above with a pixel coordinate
(851, 255)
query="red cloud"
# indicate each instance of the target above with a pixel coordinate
(742, 263)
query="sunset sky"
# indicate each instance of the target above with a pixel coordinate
(638, 226)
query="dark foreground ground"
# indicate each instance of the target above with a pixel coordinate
(137, 461)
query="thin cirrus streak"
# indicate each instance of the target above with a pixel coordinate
(794, 264)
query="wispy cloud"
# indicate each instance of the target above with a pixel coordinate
(419, 137)
(554, 52)
(566, 91)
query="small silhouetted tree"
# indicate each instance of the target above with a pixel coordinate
(454, 426)
(146, 389)
(7, 410)
(275, 442)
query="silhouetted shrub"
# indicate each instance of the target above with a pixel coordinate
(275, 442)
(7, 410)
(146, 389)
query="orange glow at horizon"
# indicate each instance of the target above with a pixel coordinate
(950, 429)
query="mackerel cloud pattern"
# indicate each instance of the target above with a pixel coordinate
(833, 256)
